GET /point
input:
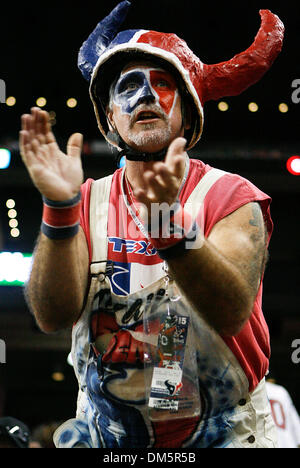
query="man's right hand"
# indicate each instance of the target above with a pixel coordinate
(56, 175)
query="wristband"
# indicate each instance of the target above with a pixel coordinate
(61, 218)
(173, 231)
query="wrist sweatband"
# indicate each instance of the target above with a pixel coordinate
(173, 231)
(61, 218)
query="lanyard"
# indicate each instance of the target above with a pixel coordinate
(135, 218)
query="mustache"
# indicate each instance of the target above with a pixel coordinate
(148, 108)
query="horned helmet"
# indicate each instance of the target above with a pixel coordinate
(106, 51)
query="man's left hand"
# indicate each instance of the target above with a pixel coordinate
(163, 180)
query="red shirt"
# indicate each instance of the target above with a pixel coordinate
(138, 264)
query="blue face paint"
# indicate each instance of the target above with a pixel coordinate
(131, 89)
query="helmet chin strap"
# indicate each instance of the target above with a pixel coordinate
(135, 155)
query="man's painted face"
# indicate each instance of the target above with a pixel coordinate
(145, 84)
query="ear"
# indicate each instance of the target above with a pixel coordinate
(110, 120)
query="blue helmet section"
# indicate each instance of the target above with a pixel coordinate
(100, 39)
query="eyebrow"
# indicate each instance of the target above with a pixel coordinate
(127, 74)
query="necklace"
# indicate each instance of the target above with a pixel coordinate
(132, 213)
(131, 196)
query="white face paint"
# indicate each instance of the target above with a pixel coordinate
(145, 107)
(147, 84)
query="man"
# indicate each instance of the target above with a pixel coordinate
(162, 279)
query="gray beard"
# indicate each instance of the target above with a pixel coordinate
(150, 135)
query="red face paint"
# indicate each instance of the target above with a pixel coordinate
(165, 87)
(145, 84)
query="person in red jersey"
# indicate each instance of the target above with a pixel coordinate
(158, 267)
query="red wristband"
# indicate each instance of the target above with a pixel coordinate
(61, 219)
(170, 226)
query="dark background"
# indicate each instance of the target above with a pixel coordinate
(38, 56)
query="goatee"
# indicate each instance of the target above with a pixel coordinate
(150, 135)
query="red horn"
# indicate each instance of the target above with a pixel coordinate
(234, 76)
